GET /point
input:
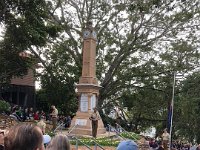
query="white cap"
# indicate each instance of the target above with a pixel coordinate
(46, 139)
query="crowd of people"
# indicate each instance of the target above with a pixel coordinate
(26, 114)
(176, 145)
(32, 136)
(164, 143)
(26, 136)
(29, 114)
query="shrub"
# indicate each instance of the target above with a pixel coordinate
(4, 106)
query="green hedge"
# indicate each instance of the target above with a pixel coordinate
(4, 106)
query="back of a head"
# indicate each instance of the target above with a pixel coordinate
(59, 142)
(127, 145)
(23, 136)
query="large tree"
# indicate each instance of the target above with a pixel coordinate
(131, 36)
(140, 44)
(187, 104)
(26, 27)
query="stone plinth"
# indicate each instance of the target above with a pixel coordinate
(84, 124)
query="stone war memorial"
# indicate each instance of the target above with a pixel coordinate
(88, 87)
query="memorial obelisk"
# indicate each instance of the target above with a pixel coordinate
(88, 87)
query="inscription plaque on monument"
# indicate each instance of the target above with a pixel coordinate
(81, 122)
(93, 102)
(84, 103)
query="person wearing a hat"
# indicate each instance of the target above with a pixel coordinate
(46, 140)
(127, 145)
(94, 118)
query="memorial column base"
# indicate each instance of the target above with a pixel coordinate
(84, 125)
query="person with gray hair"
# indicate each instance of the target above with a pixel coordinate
(59, 142)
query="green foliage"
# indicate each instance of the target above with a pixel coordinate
(11, 64)
(42, 101)
(130, 135)
(26, 25)
(4, 106)
(150, 113)
(107, 141)
(60, 94)
(140, 45)
(101, 141)
(51, 134)
(137, 54)
(186, 116)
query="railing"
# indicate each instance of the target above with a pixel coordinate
(97, 145)
(72, 129)
(115, 130)
(59, 126)
(79, 141)
(121, 129)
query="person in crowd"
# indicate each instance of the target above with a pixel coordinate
(117, 119)
(68, 121)
(19, 112)
(24, 137)
(94, 118)
(198, 147)
(25, 114)
(165, 139)
(42, 124)
(54, 116)
(31, 113)
(117, 116)
(160, 146)
(153, 144)
(127, 145)
(36, 115)
(61, 118)
(1, 140)
(42, 114)
(59, 142)
(15, 115)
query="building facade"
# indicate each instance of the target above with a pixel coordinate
(21, 90)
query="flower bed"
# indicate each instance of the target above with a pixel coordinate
(106, 141)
